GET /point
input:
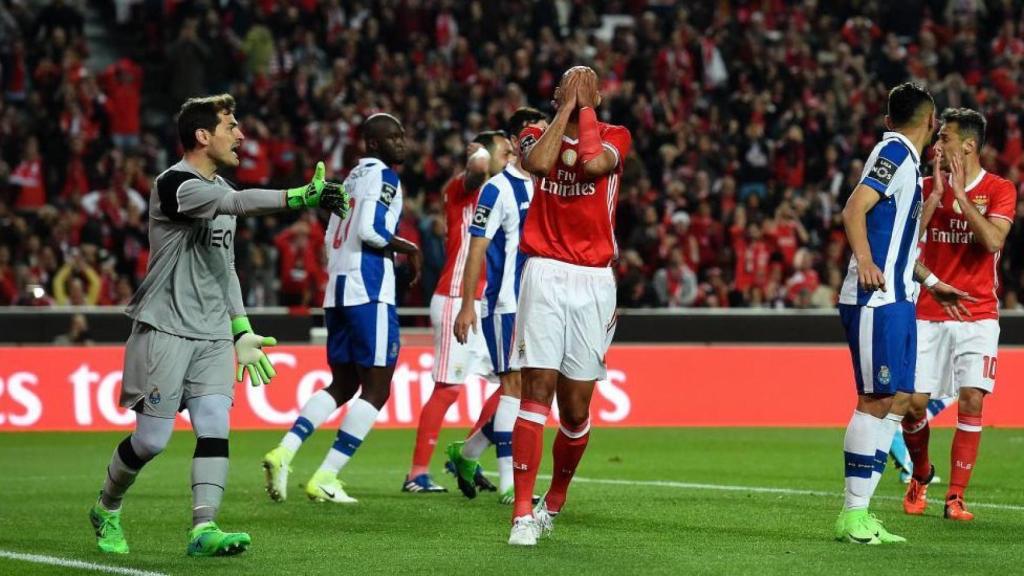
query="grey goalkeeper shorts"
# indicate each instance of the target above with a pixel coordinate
(162, 371)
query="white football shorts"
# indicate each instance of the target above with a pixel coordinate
(952, 355)
(566, 318)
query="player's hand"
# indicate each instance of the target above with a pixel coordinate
(416, 261)
(335, 199)
(249, 353)
(308, 196)
(587, 91)
(567, 93)
(871, 276)
(958, 176)
(464, 322)
(939, 181)
(952, 300)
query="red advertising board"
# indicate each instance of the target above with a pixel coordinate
(54, 388)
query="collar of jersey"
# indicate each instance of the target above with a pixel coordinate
(511, 169)
(366, 160)
(976, 181)
(906, 142)
(197, 173)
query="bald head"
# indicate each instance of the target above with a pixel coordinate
(384, 138)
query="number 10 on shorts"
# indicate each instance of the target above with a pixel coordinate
(988, 369)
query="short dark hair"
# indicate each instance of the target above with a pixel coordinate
(905, 101)
(489, 139)
(202, 113)
(523, 117)
(969, 123)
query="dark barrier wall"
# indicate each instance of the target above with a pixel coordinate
(36, 326)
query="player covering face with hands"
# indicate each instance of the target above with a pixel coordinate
(566, 308)
(189, 322)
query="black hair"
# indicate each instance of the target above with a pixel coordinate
(202, 113)
(523, 117)
(969, 124)
(906, 101)
(489, 139)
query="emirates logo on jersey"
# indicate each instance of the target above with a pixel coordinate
(980, 202)
(569, 157)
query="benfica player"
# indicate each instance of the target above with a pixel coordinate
(964, 238)
(567, 295)
(455, 361)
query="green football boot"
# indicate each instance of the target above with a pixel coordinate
(884, 535)
(109, 536)
(463, 468)
(858, 528)
(207, 539)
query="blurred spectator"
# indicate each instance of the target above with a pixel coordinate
(675, 284)
(750, 123)
(77, 334)
(77, 283)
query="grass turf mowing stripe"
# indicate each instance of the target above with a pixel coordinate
(68, 563)
(754, 489)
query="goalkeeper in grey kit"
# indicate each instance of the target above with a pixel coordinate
(189, 321)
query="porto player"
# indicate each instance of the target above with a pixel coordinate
(964, 237)
(567, 296)
(453, 360)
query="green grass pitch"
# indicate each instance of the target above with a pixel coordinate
(618, 519)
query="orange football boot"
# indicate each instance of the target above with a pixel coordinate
(956, 509)
(915, 501)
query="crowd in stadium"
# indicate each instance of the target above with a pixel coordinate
(750, 122)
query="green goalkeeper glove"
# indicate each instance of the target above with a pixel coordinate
(308, 196)
(320, 193)
(249, 352)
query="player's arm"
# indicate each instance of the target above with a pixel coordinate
(376, 222)
(599, 155)
(466, 319)
(487, 219)
(855, 222)
(931, 203)
(248, 346)
(950, 298)
(989, 232)
(476, 167)
(540, 158)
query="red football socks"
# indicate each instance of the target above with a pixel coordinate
(567, 451)
(431, 416)
(964, 453)
(487, 412)
(916, 435)
(527, 444)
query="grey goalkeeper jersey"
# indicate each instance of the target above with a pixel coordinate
(190, 288)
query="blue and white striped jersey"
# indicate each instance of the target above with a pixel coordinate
(893, 170)
(359, 266)
(500, 211)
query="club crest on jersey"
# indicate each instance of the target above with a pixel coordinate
(387, 194)
(393, 350)
(522, 349)
(884, 376)
(154, 397)
(569, 157)
(883, 171)
(981, 203)
(481, 216)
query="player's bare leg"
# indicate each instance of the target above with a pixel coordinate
(362, 413)
(539, 386)
(916, 433)
(277, 463)
(964, 452)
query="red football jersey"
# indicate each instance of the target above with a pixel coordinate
(572, 219)
(951, 253)
(459, 205)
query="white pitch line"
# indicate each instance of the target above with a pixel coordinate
(754, 489)
(68, 563)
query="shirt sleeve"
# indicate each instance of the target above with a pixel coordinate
(527, 139)
(184, 196)
(376, 221)
(880, 173)
(1004, 202)
(618, 140)
(488, 214)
